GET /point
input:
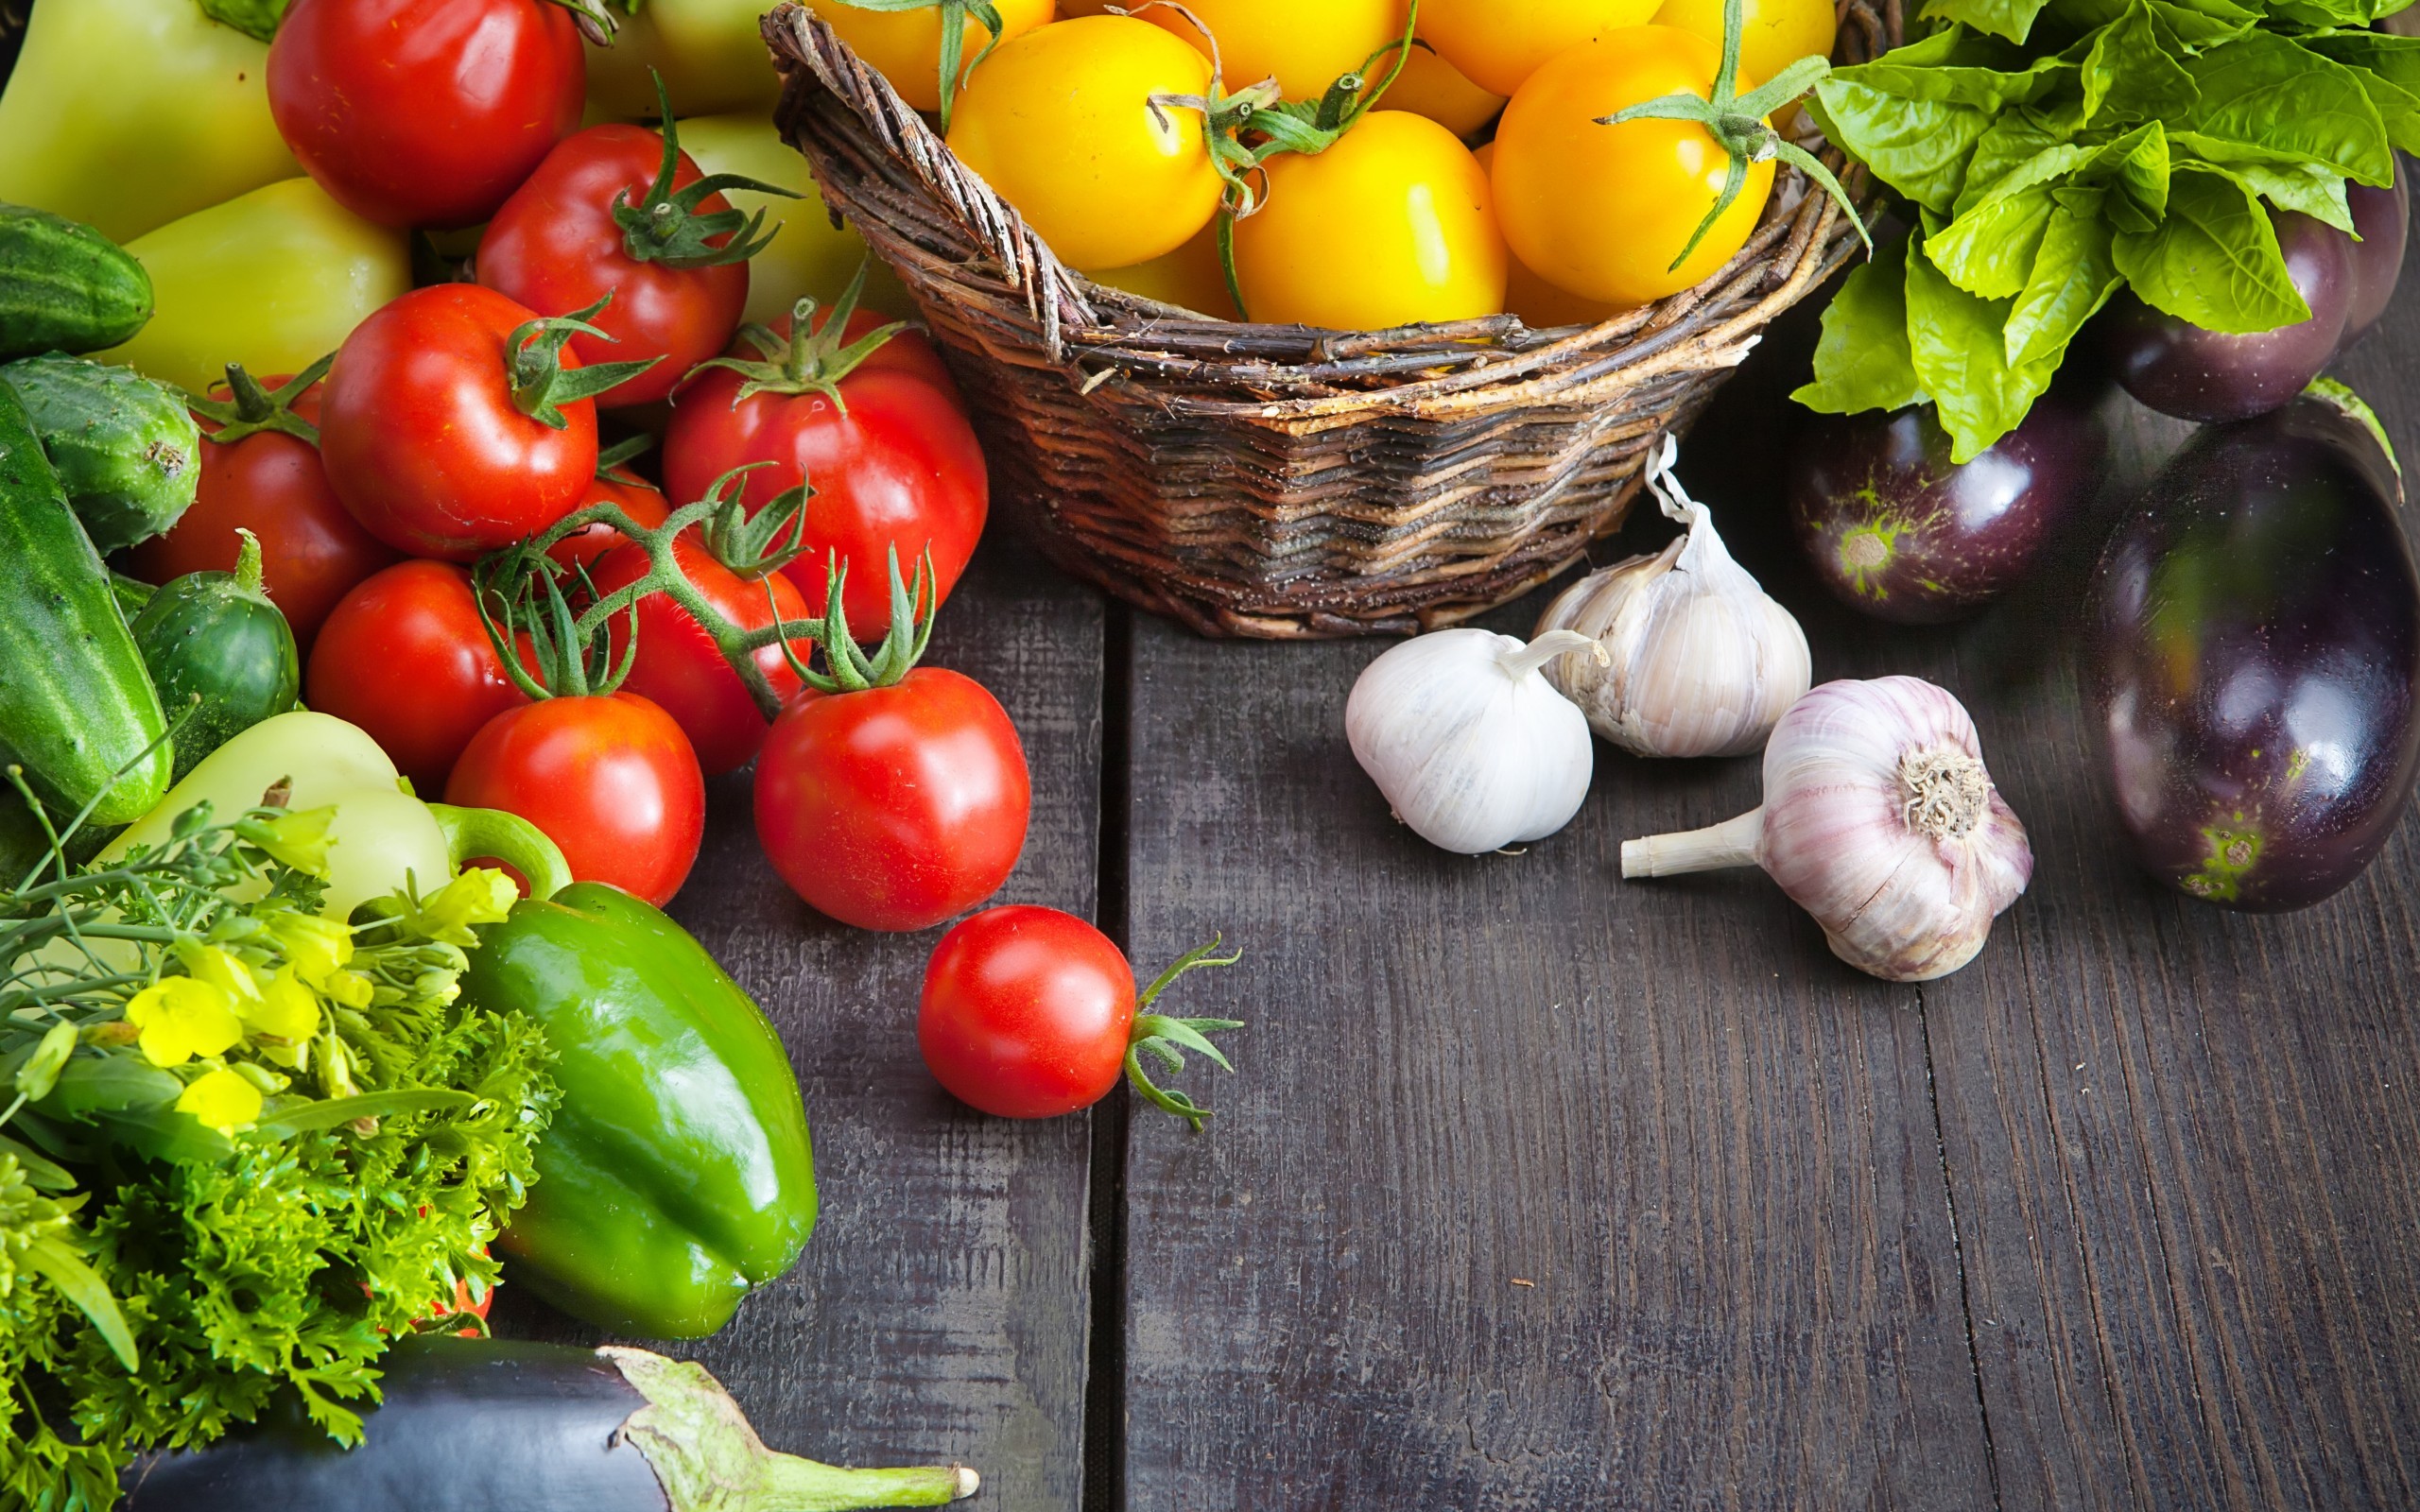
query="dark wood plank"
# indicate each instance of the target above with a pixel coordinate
(940, 1312)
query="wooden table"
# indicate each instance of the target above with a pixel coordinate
(1539, 1189)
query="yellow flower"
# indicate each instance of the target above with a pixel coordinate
(181, 1017)
(299, 840)
(286, 1009)
(316, 948)
(481, 894)
(221, 1099)
(225, 971)
(350, 989)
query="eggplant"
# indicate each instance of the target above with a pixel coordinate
(1896, 529)
(2383, 220)
(471, 1424)
(2253, 644)
(2183, 370)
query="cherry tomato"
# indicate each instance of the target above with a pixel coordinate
(424, 113)
(312, 552)
(1498, 43)
(639, 499)
(556, 246)
(896, 807)
(404, 657)
(905, 46)
(1391, 225)
(1060, 122)
(1774, 34)
(677, 666)
(1602, 211)
(1304, 47)
(424, 442)
(608, 776)
(900, 469)
(1433, 87)
(1539, 303)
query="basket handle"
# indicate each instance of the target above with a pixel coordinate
(804, 45)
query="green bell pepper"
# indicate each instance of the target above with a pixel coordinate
(677, 1173)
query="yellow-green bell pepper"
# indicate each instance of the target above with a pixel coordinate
(808, 255)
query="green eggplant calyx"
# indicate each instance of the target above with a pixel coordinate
(610, 460)
(1737, 122)
(1164, 1037)
(473, 835)
(668, 227)
(252, 409)
(850, 669)
(813, 358)
(708, 1458)
(953, 16)
(596, 19)
(534, 365)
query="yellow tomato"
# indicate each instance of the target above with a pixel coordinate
(905, 46)
(1497, 44)
(1774, 34)
(1391, 225)
(1603, 209)
(1189, 278)
(1060, 122)
(1304, 44)
(808, 254)
(1433, 87)
(1540, 305)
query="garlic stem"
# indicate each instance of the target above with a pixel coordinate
(1521, 662)
(1732, 843)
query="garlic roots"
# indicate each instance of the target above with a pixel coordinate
(1879, 820)
(1700, 661)
(1468, 742)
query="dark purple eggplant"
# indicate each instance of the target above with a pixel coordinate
(2180, 369)
(2382, 218)
(1896, 529)
(470, 1425)
(2254, 644)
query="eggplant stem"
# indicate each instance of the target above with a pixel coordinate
(1732, 843)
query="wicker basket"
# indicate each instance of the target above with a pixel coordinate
(1280, 481)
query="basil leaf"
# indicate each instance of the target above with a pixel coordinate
(2388, 69)
(2132, 73)
(1918, 148)
(2135, 168)
(2197, 29)
(2312, 188)
(257, 19)
(1958, 345)
(2073, 277)
(2214, 261)
(2265, 91)
(2018, 137)
(2336, 12)
(1958, 67)
(1988, 249)
(2011, 18)
(1862, 362)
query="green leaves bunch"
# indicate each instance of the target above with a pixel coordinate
(2056, 150)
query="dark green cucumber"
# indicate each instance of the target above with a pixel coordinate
(213, 640)
(65, 285)
(77, 710)
(125, 448)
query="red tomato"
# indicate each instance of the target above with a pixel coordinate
(424, 442)
(424, 113)
(1026, 1012)
(404, 657)
(895, 807)
(639, 500)
(678, 665)
(556, 246)
(608, 776)
(900, 469)
(270, 484)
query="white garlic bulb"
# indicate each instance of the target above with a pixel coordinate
(1468, 742)
(1700, 661)
(1880, 821)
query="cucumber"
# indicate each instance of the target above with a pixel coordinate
(77, 709)
(65, 285)
(215, 642)
(124, 447)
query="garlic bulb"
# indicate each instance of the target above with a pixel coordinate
(1700, 661)
(1879, 820)
(1468, 742)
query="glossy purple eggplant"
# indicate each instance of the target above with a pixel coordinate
(2180, 369)
(2382, 218)
(2253, 650)
(1896, 529)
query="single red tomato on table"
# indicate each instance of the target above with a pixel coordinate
(425, 113)
(268, 480)
(1030, 1013)
(874, 426)
(406, 657)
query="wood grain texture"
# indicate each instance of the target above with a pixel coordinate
(940, 1312)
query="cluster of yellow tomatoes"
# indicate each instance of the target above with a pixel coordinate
(1077, 118)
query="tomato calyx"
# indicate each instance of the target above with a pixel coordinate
(611, 459)
(852, 670)
(751, 545)
(1737, 121)
(954, 14)
(534, 365)
(250, 409)
(594, 18)
(667, 227)
(812, 359)
(1164, 1037)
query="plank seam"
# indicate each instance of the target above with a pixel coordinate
(1105, 1426)
(1958, 1252)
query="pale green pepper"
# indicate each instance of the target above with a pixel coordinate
(711, 54)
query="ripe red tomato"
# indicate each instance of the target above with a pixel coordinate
(425, 440)
(677, 666)
(312, 552)
(638, 499)
(896, 807)
(560, 245)
(899, 469)
(404, 657)
(608, 776)
(424, 113)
